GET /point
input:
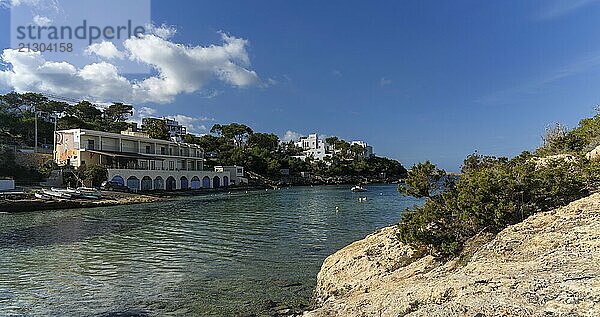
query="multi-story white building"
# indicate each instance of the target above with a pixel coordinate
(139, 162)
(368, 149)
(313, 146)
(318, 149)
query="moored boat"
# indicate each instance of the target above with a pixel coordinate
(358, 189)
(42, 196)
(56, 193)
(89, 193)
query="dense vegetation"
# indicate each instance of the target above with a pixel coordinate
(493, 193)
(17, 118)
(263, 153)
(581, 139)
(231, 144)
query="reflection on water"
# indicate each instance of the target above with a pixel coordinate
(231, 255)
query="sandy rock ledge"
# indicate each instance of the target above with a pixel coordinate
(548, 265)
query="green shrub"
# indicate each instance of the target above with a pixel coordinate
(92, 175)
(492, 194)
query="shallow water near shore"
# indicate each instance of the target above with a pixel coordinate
(233, 254)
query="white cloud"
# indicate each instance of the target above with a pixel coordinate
(140, 113)
(146, 112)
(35, 4)
(194, 125)
(104, 49)
(164, 31)
(179, 69)
(291, 136)
(384, 81)
(559, 8)
(42, 20)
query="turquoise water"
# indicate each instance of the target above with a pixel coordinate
(234, 254)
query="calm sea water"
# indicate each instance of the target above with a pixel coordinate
(224, 255)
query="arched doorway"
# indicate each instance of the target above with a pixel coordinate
(184, 182)
(159, 183)
(118, 179)
(133, 183)
(225, 181)
(171, 184)
(146, 183)
(206, 182)
(216, 182)
(195, 182)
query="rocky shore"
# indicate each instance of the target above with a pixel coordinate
(30, 203)
(544, 266)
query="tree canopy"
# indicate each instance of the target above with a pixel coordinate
(17, 117)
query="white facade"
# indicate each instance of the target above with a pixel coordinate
(368, 149)
(318, 149)
(137, 161)
(313, 146)
(236, 173)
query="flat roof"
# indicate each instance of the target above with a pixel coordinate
(129, 137)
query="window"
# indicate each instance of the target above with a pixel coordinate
(163, 151)
(171, 165)
(90, 145)
(199, 165)
(170, 151)
(152, 165)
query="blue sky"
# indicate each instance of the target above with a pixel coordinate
(416, 79)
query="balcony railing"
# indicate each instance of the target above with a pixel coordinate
(151, 151)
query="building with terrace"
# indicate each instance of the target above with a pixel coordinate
(139, 162)
(313, 146)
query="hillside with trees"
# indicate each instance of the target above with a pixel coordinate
(228, 144)
(263, 153)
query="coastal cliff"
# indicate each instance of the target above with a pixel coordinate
(546, 265)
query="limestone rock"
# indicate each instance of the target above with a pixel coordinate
(547, 265)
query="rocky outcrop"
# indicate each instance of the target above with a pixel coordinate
(548, 265)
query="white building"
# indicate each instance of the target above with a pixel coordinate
(137, 161)
(368, 149)
(236, 173)
(318, 149)
(313, 146)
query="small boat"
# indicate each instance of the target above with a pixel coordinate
(56, 194)
(88, 196)
(42, 196)
(89, 193)
(358, 189)
(70, 191)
